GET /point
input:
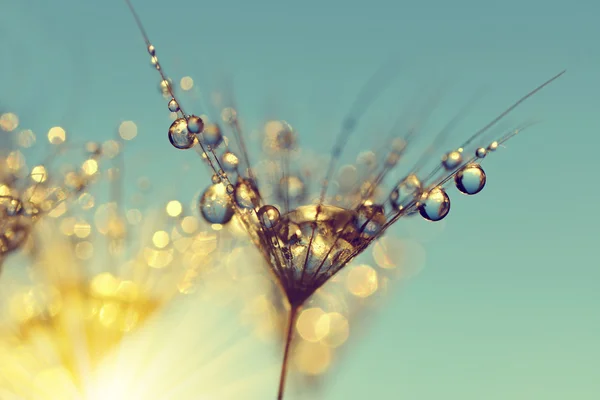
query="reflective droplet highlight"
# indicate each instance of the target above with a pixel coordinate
(215, 205)
(195, 124)
(481, 152)
(470, 180)
(173, 106)
(179, 136)
(434, 205)
(212, 135)
(452, 160)
(269, 216)
(246, 194)
(405, 192)
(370, 219)
(229, 161)
(292, 188)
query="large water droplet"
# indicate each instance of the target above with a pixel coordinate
(452, 160)
(481, 152)
(215, 204)
(179, 136)
(405, 192)
(268, 215)
(434, 205)
(470, 180)
(195, 124)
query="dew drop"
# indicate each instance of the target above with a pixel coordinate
(269, 216)
(405, 192)
(164, 86)
(452, 160)
(370, 219)
(434, 205)
(246, 194)
(229, 115)
(215, 178)
(230, 188)
(151, 50)
(215, 205)
(10, 206)
(195, 124)
(179, 136)
(212, 135)
(481, 152)
(291, 187)
(493, 146)
(229, 161)
(173, 106)
(470, 180)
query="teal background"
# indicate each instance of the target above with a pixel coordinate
(508, 304)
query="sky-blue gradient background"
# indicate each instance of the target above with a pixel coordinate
(508, 306)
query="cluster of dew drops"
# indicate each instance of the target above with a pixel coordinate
(183, 134)
(432, 204)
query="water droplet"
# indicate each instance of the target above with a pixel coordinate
(212, 135)
(173, 106)
(10, 206)
(151, 50)
(493, 146)
(434, 205)
(406, 191)
(179, 136)
(481, 152)
(229, 161)
(392, 159)
(470, 180)
(216, 178)
(195, 124)
(215, 205)
(164, 87)
(229, 115)
(230, 188)
(269, 216)
(291, 187)
(452, 160)
(246, 194)
(370, 219)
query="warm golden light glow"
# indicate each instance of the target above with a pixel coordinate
(57, 135)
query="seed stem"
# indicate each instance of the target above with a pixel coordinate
(286, 351)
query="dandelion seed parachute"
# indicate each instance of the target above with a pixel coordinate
(306, 243)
